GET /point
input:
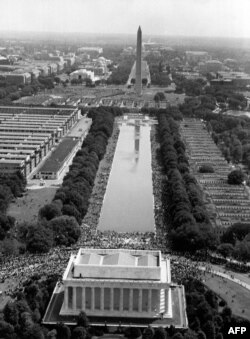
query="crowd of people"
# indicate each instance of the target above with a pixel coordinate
(15, 270)
(18, 269)
(95, 203)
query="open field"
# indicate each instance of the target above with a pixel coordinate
(25, 209)
(236, 296)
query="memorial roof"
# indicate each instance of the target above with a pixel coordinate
(117, 259)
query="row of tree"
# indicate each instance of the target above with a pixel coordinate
(120, 72)
(232, 136)
(59, 221)
(186, 216)
(235, 242)
(11, 186)
(209, 317)
(10, 92)
(159, 71)
(22, 318)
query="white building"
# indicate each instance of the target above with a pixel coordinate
(82, 74)
(120, 284)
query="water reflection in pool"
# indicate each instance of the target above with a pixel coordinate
(128, 202)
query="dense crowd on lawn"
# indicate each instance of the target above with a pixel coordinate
(23, 316)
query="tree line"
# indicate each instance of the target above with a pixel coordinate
(10, 92)
(11, 187)
(186, 219)
(58, 222)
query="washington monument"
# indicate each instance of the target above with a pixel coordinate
(138, 79)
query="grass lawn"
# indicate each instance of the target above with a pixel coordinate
(236, 296)
(25, 209)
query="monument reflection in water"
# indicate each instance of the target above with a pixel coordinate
(128, 202)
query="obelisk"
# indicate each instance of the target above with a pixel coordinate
(138, 84)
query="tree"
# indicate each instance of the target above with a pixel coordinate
(34, 332)
(226, 312)
(52, 334)
(10, 246)
(201, 335)
(82, 320)
(159, 96)
(242, 250)
(71, 211)
(65, 229)
(50, 211)
(11, 314)
(160, 333)
(6, 223)
(235, 177)
(135, 332)
(235, 232)
(63, 331)
(211, 299)
(177, 335)
(79, 333)
(206, 168)
(6, 330)
(225, 249)
(148, 333)
(39, 239)
(209, 330)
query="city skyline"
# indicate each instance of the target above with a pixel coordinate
(213, 18)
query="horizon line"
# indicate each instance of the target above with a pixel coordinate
(124, 34)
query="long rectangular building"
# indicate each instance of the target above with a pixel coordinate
(31, 132)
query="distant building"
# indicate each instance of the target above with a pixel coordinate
(82, 74)
(98, 50)
(4, 61)
(17, 78)
(128, 51)
(238, 79)
(211, 66)
(197, 56)
(231, 63)
(69, 61)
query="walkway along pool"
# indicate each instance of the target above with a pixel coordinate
(128, 201)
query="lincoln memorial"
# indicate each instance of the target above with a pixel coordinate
(117, 283)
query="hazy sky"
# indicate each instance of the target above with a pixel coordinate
(226, 18)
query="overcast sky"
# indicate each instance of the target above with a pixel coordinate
(225, 18)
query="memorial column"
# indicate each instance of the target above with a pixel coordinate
(92, 299)
(74, 298)
(83, 298)
(121, 299)
(102, 299)
(130, 300)
(66, 297)
(140, 301)
(111, 306)
(149, 300)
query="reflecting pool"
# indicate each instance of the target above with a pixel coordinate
(128, 201)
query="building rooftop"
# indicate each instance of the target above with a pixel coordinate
(118, 264)
(80, 128)
(57, 158)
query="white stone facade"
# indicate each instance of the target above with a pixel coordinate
(130, 283)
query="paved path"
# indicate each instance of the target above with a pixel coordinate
(226, 276)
